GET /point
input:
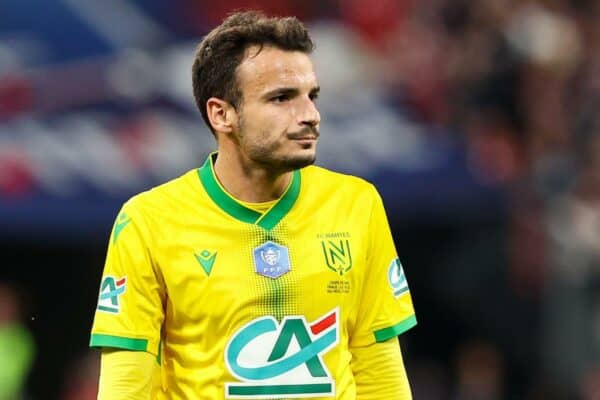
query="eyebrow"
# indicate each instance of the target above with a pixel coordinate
(290, 91)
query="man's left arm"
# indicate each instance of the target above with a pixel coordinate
(385, 311)
(379, 372)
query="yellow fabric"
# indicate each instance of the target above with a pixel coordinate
(379, 372)
(260, 207)
(126, 375)
(158, 287)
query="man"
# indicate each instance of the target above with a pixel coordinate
(256, 275)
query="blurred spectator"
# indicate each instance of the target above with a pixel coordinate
(590, 383)
(479, 372)
(546, 389)
(427, 380)
(573, 291)
(16, 346)
(208, 13)
(81, 382)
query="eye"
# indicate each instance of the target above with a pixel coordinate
(313, 96)
(280, 98)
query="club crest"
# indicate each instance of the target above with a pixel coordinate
(337, 255)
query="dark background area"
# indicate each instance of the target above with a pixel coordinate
(477, 121)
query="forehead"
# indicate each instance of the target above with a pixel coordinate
(272, 68)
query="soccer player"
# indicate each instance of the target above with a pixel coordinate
(256, 275)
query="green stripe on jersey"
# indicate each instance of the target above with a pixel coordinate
(227, 203)
(118, 342)
(387, 333)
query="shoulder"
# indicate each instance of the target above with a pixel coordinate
(164, 198)
(337, 192)
(315, 177)
(320, 175)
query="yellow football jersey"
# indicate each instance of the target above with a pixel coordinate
(237, 303)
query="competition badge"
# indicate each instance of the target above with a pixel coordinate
(271, 260)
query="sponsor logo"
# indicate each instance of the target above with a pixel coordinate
(337, 254)
(271, 260)
(206, 260)
(396, 278)
(110, 291)
(272, 359)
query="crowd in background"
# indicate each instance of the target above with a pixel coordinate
(520, 80)
(513, 301)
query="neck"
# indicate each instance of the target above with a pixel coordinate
(247, 181)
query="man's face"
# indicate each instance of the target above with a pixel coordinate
(278, 122)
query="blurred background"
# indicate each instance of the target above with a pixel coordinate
(479, 122)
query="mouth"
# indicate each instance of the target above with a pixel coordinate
(306, 142)
(305, 139)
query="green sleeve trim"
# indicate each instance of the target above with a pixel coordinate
(118, 342)
(384, 334)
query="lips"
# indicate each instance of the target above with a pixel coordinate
(305, 138)
(304, 135)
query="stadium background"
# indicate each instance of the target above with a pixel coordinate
(478, 121)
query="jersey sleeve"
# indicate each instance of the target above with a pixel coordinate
(379, 372)
(129, 313)
(386, 308)
(126, 375)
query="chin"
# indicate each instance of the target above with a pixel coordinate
(283, 161)
(299, 161)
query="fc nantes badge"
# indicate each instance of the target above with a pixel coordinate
(271, 260)
(337, 255)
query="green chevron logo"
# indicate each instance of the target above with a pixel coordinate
(206, 260)
(120, 224)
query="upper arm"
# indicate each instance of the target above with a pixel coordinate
(126, 375)
(129, 313)
(386, 308)
(379, 372)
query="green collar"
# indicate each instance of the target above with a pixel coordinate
(269, 219)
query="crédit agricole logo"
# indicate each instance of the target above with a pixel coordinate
(272, 359)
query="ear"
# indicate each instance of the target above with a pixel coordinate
(221, 114)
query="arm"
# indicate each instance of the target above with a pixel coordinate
(379, 372)
(385, 311)
(129, 314)
(126, 375)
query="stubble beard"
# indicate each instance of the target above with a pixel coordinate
(264, 153)
(266, 156)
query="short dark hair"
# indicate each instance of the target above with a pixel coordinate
(222, 50)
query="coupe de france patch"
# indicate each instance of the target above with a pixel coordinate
(396, 278)
(111, 290)
(272, 359)
(271, 260)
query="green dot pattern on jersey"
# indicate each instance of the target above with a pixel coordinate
(276, 297)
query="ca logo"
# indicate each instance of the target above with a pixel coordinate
(396, 278)
(110, 291)
(266, 360)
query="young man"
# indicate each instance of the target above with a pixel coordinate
(256, 275)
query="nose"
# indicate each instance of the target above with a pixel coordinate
(309, 115)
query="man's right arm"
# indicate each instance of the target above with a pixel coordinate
(130, 311)
(126, 375)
